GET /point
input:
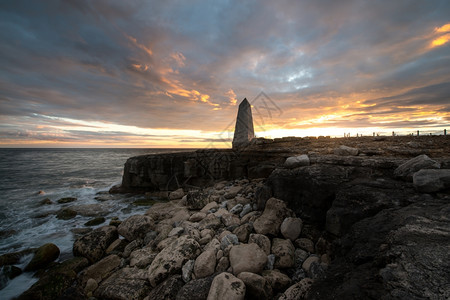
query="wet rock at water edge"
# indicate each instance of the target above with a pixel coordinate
(46, 201)
(53, 283)
(43, 256)
(7, 273)
(66, 214)
(67, 200)
(15, 257)
(96, 221)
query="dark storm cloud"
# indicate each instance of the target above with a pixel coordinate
(438, 94)
(170, 64)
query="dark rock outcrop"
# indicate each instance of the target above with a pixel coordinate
(309, 191)
(355, 202)
(398, 253)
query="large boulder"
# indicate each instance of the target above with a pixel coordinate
(205, 264)
(167, 212)
(226, 287)
(125, 284)
(297, 161)
(272, 218)
(261, 240)
(43, 256)
(247, 258)
(431, 181)
(291, 228)
(142, 258)
(196, 200)
(415, 164)
(136, 227)
(171, 259)
(284, 253)
(100, 270)
(277, 280)
(256, 286)
(177, 194)
(233, 191)
(93, 245)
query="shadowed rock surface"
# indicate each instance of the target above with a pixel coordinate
(398, 253)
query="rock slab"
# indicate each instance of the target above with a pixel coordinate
(172, 258)
(247, 258)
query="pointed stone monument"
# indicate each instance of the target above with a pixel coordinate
(243, 132)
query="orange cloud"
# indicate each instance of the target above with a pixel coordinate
(139, 45)
(139, 67)
(442, 40)
(232, 96)
(179, 58)
(445, 28)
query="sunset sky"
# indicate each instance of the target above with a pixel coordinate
(168, 73)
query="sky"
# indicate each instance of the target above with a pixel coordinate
(113, 73)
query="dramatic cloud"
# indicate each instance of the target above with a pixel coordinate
(171, 73)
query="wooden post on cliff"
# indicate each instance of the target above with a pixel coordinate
(445, 131)
(417, 132)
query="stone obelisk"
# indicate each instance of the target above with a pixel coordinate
(243, 132)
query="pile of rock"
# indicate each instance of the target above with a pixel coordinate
(211, 244)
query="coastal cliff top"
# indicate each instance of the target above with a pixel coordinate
(393, 146)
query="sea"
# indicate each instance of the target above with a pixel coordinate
(28, 176)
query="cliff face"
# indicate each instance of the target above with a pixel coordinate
(166, 172)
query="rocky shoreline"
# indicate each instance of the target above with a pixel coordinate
(361, 220)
